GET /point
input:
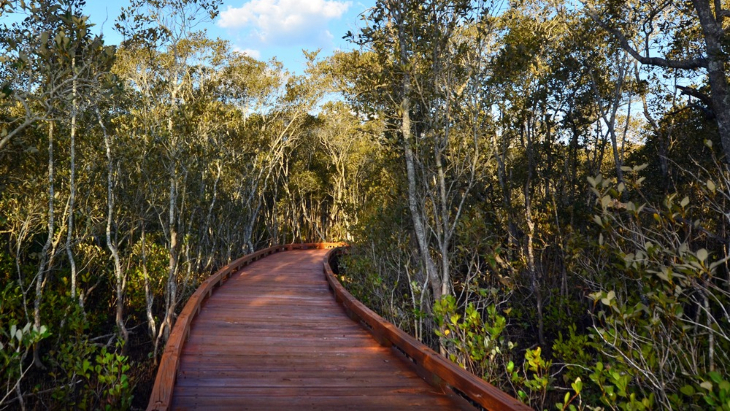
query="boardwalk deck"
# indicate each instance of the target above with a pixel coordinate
(273, 338)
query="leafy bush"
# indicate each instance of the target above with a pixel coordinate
(98, 378)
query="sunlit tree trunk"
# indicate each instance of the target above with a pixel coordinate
(72, 181)
(119, 277)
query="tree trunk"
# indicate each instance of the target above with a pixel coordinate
(714, 36)
(530, 248)
(149, 297)
(72, 184)
(40, 275)
(413, 204)
(171, 287)
(120, 279)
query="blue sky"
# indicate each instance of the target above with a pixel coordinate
(265, 28)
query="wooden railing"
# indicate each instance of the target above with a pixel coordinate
(433, 367)
(161, 398)
(436, 369)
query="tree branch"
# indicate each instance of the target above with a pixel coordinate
(689, 64)
(689, 91)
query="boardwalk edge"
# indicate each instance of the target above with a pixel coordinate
(428, 361)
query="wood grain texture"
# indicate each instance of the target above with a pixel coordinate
(275, 338)
(162, 391)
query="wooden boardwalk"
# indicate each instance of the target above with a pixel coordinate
(273, 338)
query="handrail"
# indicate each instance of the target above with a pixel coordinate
(161, 398)
(439, 369)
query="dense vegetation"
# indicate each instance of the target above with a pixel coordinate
(537, 189)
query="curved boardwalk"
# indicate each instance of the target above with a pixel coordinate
(273, 338)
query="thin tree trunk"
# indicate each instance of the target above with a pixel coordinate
(119, 277)
(418, 224)
(530, 248)
(149, 297)
(711, 334)
(171, 288)
(72, 184)
(163, 332)
(413, 204)
(40, 275)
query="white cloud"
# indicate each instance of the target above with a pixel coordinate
(249, 52)
(285, 22)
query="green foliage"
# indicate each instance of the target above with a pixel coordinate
(713, 388)
(569, 400)
(613, 383)
(203, 152)
(474, 343)
(657, 317)
(15, 345)
(576, 349)
(533, 384)
(16, 341)
(154, 264)
(112, 383)
(561, 312)
(99, 378)
(362, 280)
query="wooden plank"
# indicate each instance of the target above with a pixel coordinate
(302, 401)
(345, 393)
(267, 403)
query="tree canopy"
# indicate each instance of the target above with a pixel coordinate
(536, 189)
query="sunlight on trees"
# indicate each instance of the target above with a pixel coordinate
(539, 190)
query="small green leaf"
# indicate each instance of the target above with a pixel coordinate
(702, 254)
(610, 296)
(577, 385)
(706, 385)
(687, 390)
